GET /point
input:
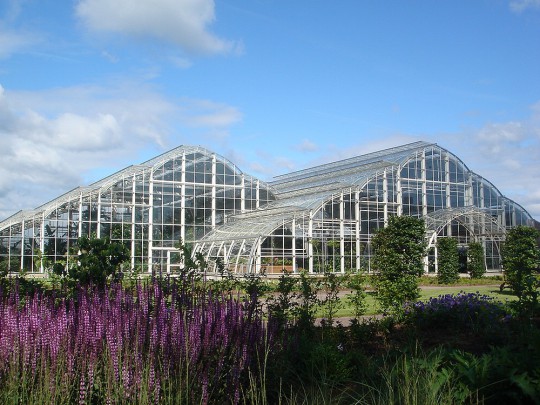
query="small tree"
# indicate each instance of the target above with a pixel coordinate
(281, 305)
(476, 265)
(521, 258)
(331, 303)
(448, 258)
(97, 260)
(399, 250)
(192, 263)
(357, 297)
(308, 302)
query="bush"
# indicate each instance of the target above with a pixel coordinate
(308, 302)
(282, 304)
(476, 265)
(357, 297)
(462, 311)
(448, 261)
(521, 258)
(96, 261)
(399, 250)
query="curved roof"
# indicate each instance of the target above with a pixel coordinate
(383, 158)
(251, 225)
(335, 176)
(299, 192)
(144, 168)
(296, 193)
(477, 220)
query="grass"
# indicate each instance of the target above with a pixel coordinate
(426, 292)
(488, 280)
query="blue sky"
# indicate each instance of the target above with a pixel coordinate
(89, 87)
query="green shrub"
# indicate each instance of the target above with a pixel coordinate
(281, 305)
(448, 258)
(357, 297)
(399, 250)
(308, 302)
(476, 265)
(96, 260)
(521, 258)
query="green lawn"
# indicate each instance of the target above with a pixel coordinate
(432, 291)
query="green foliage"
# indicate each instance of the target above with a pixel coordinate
(9, 266)
(476, 260)
(521, 258)
(282, 304)
(331, 303)
(357, 296)
(97, 261)
(504, 375)
(418, 378)
(227, 283)
(4, 271)
(308, 302)
(399, 250)
(325, 363)
(191, 263)
(448, 258)
(255, 286)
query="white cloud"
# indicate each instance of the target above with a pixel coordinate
(181, 62)
(333, 153)
(181, 22)
(55, 140)
(507, 154)
(205, 113)
(306, 146)
(520, 5)
(12, 42)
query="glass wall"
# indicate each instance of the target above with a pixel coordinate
(181, 195)
(316, 219)
(334, 233)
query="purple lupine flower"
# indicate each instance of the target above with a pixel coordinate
(142, 329)
(82, 390)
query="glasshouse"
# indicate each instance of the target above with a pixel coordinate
(316, 219)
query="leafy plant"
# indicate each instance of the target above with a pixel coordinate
(191, 264)
(521, 258)
(448, 257)
(357, 297)
(331, 303)
(399, 250)
(417, 378)
(281, 305)
(97, 260)
(500, 376)
(255, 286)
(308, 302)
(476, 265)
